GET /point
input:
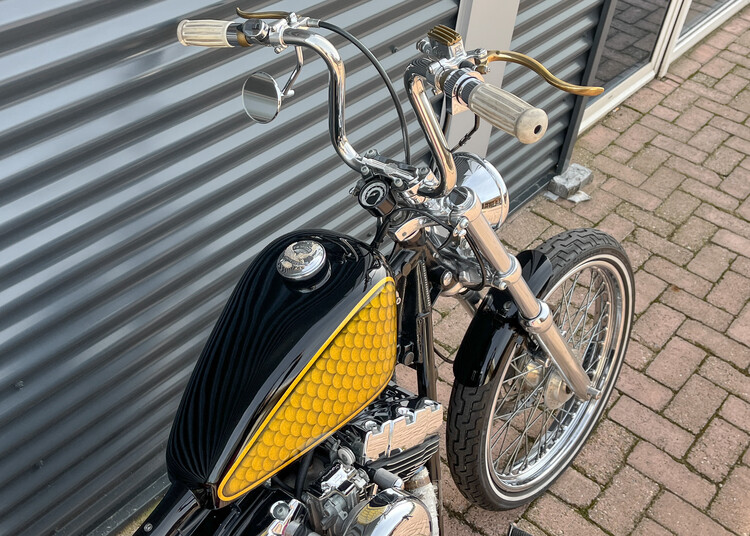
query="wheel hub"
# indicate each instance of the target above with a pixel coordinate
(556, 392)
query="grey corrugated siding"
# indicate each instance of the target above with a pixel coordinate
(560, 35)
(133, 192)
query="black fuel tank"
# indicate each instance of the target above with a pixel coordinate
(267, 333)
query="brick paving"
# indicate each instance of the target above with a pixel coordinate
(672, 181)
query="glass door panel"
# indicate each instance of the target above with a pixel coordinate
(699, 11)
(636, 26)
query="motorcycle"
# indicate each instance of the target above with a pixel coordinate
(292, 423)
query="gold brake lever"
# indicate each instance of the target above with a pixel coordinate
(538, 68)
(263, 14)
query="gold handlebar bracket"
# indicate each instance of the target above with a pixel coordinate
(522, 59)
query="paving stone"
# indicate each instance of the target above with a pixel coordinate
(683, 519)
(740, 328)
(638, 356)
(732, 506)
(677, 276)
(716, 451)
(601, 205)
(652, 427)
(636, 254)
(643, 389)
(636, 137)
(722, 161)
(736, 412)
(604, 452)
(662, 112)
(560, 216)
(731, 84)
(689, 153)
(453, 327)
(644, 100)
(618, 154)
(648, 288)
(617, 226)
(659, 246)
(655, 326)
(695, 403)
(703, 53)
(708, 138)
(452, 498)
(717, 67)
(694, 118)
(575, 489)
(697, 172)
(709, 195)
(723, 374)
(741, 265)
(631, 194)
(732, 126)
(693, 233)
(696, 308)
(731, 293)
(649, 527)
(675, 363)
(721, 110)
(711, 262)
(649, 160)
(493, 523)
(684, 67)
(722, 219)
(645, 219)
(523, 229)
(555, 517)
(672, 474)
(623, 502)
(716, 343)
(458, 527)
(621, 118)
(678, 207)
(597, 138)
(619, 171)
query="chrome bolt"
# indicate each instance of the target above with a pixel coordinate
(148, 527)
(364, 170)
(279, 510)
(446, 279)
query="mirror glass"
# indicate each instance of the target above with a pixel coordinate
(261, 97)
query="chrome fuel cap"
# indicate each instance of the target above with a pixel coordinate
(301, 260)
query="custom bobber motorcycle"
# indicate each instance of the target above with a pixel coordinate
(292, 423)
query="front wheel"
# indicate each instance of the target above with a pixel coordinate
(509, 439)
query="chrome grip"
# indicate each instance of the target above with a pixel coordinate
(508, 112)
(203, 33)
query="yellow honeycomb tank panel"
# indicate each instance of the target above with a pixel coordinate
(344, 376)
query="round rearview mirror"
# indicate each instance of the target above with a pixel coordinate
(261, 97)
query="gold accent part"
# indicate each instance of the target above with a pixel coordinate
(263, 14)
(347, 373)
(538, 68)
(444, 35)
(242, 40)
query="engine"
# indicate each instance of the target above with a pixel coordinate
(375, 474)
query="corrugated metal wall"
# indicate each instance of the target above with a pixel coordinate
(560, 35)
(133, 192)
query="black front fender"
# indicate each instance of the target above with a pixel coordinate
(496, 325)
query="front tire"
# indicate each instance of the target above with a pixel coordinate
(509, 439)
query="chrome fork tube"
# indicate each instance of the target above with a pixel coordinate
(535, 314)
(336, 90)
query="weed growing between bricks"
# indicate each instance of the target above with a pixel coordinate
(672, 182)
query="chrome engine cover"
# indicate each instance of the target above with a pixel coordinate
(391, 512)
(399, 431)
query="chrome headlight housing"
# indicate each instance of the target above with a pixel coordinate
(478, 174)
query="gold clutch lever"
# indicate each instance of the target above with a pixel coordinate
(263, 14)
(538, 68)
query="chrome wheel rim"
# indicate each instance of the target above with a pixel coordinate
(528, 442)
